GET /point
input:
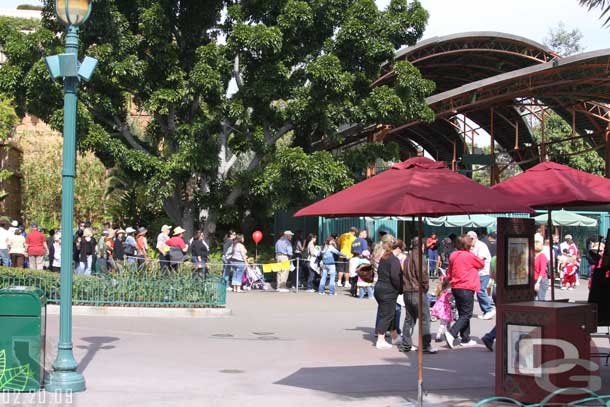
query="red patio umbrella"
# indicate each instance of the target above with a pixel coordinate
(416, 187)
(549, 185)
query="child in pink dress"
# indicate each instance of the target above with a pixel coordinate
(442, 308)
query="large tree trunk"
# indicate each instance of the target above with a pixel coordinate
(181, 213)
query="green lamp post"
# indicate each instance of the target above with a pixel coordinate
(64, 377)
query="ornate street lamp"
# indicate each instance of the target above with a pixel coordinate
(64, 377)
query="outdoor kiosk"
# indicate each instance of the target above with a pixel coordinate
(542, 346)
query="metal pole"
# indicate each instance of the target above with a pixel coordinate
(550, 234)
(64, 377)
(297, 278)
(420, 326)
(492, 169)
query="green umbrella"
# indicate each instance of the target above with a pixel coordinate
(565, 218)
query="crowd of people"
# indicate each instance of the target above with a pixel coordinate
(110, 250)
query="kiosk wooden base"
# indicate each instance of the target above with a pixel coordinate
(543, 346)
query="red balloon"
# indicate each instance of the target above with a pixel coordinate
(257, 236)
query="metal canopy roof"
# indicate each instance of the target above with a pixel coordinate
(480, 73)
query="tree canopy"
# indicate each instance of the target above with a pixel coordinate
(222, 83)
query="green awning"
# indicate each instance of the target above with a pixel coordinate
(565, 218)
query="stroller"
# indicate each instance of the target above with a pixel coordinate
(253, 278)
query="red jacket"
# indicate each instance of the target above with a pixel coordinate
(463, 271)
(540, 266)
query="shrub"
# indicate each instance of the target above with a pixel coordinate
(144, 286)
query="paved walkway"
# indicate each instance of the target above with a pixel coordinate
(277, 349)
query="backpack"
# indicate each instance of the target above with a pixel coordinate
(229, 253)
(128, 249)
(366, 273)
(175, 255)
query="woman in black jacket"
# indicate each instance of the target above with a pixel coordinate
(199, 252)
(387, 289)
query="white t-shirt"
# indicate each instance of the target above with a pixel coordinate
(354, 262)
(481, 250)
(4, 235)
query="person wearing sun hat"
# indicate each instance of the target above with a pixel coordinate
(162, 247)
(141, 245)
(130, 245)
(177, 247)
(118, 252)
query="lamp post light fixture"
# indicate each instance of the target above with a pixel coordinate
(64, 377)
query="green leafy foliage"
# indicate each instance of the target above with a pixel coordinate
(144, 286)
(8, 121)
(574, 152)
(359, 158)
(294, 177)
(222, 89)
(564, 41)
(41, 182)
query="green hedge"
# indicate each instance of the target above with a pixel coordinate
(146, 286)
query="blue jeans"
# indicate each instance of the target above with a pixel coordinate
(310, 277)
(482, 297)
(328, 269)
(85, 267)
(238, 273)
(5, 259)
(544, 285)
(226, 273)
(365, 290)
(491, 335)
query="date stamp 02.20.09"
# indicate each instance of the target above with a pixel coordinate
(35, 399)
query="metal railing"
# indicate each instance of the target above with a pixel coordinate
(129, 287)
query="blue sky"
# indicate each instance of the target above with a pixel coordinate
(528, 18)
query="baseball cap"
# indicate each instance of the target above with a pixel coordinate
(288, 232)
(568, 237)
(472, 234)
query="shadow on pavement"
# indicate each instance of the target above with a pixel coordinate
(96, 343)
(442, 372)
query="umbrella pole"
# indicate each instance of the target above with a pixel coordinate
(420, 349)
(552, 276)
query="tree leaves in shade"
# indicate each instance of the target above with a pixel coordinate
(221, 82)
(576, 152)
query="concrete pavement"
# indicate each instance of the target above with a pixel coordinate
(276, 349)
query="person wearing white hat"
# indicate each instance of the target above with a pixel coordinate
(162, 248)
(572, 251)
(283, 253)
(130, 245)
(480, 249)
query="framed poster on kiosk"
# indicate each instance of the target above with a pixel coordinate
(515, 260)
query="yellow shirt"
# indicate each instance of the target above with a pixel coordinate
(345, 244)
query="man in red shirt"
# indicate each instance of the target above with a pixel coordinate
(36, 247)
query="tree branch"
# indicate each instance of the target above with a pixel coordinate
(271, 139)
(238, 80)
(126, 133)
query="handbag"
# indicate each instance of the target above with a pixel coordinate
(366, 273)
